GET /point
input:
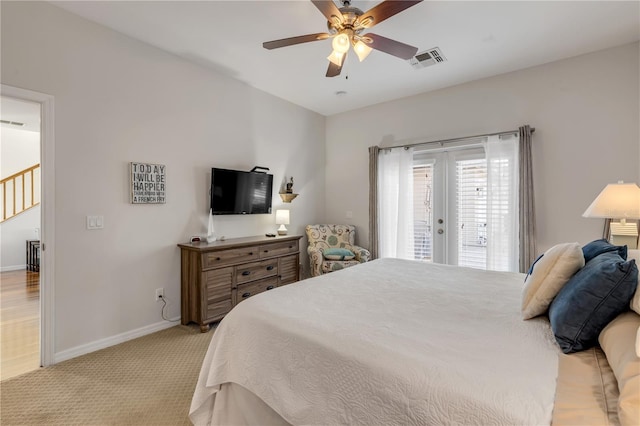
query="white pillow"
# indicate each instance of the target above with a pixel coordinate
(549, 273)
(635, 301)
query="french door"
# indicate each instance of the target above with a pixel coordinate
(450, 207)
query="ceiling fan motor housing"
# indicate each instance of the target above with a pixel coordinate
(347, 21)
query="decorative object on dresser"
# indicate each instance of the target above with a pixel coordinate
(217, 276)
(282, 219)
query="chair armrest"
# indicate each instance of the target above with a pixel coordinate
(362, 254)
(315, 260)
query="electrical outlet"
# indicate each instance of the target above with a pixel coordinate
(159, 294)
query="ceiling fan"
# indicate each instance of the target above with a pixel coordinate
(346, 26)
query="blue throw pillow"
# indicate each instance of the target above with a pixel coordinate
(594, 248)
(591, 299)
(338, 254)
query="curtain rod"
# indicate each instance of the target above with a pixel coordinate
(442, 142)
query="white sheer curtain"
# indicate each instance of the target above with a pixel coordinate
(395, 203)
(502, 203)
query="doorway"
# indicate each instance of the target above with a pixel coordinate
(20, 220)
(450, 207)
(27, 230)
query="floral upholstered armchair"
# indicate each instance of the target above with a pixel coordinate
(332, 247)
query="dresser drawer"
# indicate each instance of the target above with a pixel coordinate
(229, 257)
(278, 249)
(256, 287)
(218, 309)
(256, 270)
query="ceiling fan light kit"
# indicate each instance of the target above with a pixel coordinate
(345, 27)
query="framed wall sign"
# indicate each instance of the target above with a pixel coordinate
(148, 183)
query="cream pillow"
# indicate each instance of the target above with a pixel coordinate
(618, 343)
(635, 302)
(549, 273)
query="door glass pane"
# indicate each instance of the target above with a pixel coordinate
(423, 212)
(471, 199)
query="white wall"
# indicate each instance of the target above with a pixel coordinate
(19, 149)
(585, 111)
(14, 234)
(116, 101)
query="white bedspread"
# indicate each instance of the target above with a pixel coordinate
(388, 342)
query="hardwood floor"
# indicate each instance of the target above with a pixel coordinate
(19, 322)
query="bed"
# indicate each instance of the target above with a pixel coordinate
(387, 342)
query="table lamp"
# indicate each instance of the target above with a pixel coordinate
(282, 219)
(618, 201)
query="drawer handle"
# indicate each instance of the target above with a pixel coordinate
(217, 258)
(270, 287)
(245, 273)
(250, 253)
(245, 295)
(270, 268)
(290, 246)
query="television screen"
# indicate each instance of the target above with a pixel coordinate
(238, 192)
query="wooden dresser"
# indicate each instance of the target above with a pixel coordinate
(217, 276)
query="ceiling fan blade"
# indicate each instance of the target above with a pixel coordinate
(335, 70)
(392, 47)
(385, 10)
(328, 9)
(274, 44)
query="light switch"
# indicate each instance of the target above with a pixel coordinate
(349, 214)
(95, 222)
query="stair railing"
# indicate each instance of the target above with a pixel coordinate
(20, 192)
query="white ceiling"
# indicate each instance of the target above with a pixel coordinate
(19, 111)
(479, 39)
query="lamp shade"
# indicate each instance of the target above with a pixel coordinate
(341, 43)
(616, 201)
(362, 50)
(282, 217)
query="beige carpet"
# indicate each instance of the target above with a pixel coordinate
(146, 381)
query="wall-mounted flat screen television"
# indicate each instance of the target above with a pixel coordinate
(238, 192)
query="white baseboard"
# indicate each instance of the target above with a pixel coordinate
(12, 268)
(113, 340)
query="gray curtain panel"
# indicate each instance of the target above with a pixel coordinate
(373, 201)
(526, 202)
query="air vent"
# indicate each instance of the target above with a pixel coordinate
(14, 123)
(427, 58)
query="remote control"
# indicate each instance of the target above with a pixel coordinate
(270, 235)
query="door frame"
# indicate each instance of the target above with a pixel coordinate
(47, 215)
(445, 245)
